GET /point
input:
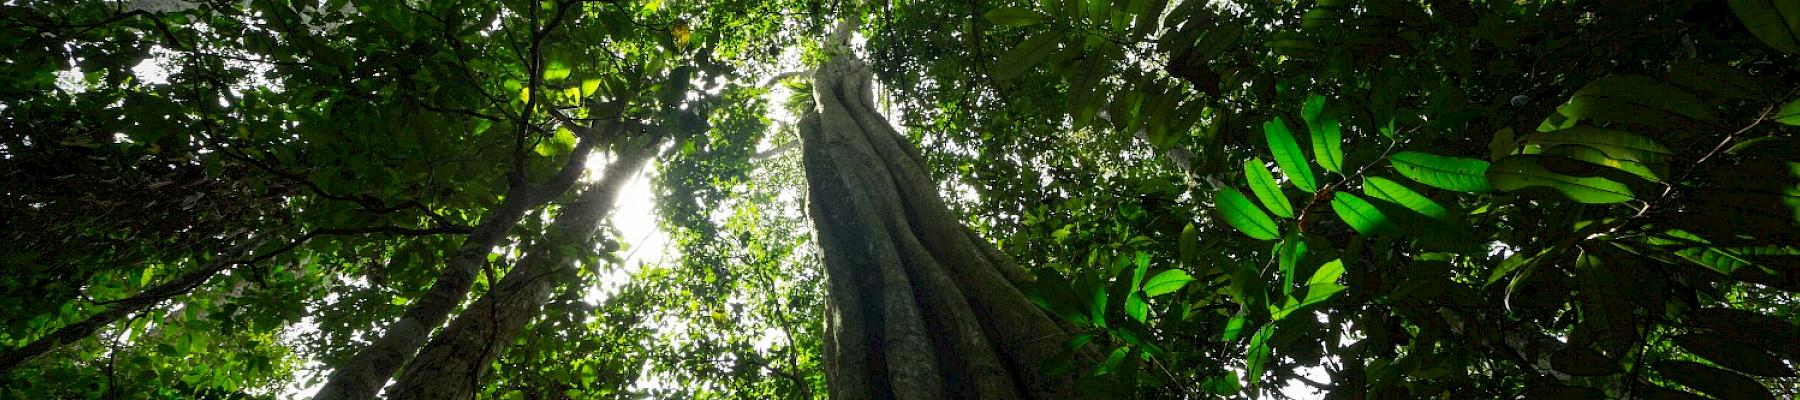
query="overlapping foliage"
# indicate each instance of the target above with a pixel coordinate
(1361, 198)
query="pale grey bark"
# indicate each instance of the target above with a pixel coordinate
(369, 369)
(449, 367)
(918, 307)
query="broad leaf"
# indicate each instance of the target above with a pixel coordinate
(1288, 156)
(1522, 171)
(1775, 22)
(1166, 282)
(1789, 113)
(1246, 217)
(1028, 54)
(1262, 183)
(1015, 16)
(1327, 136)
(1448, 173)
(1719, 383)
(1360, 214)
(1595, 156)
(1635, 99)
(1385, 189)
(1733, 354)
(1618, 145)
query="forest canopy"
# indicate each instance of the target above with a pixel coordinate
(984, 199)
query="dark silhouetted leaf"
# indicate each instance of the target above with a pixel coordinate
(1776, 22)
(1733, 354)
(1014, 16)
(1028, 54)
(1574, 360)
(1719, 383)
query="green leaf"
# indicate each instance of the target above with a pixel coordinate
(1522, 171)
(1789, 114)
(590, 86)
(1719, 383)
(1719, 259)
(1360, 214)
(1136, 308)
(1233, 328)
(1190, 244)
(1327, 274)
(1448, 173)
(1258, 357)
(1733, 354)
(1386, 189)
(1514, 262)
(1246, 217)
(1166, 282)
(555, 70)
(1028, 54)
(1288, 255)
(1262, 183)
(1319, 288)
(1775, 22)
(1015, 16)
(1618, 145)
(1595, 156)
(1327, 135)
(1097, 308)
(1288, 156)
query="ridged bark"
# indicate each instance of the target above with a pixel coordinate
(367, 371)
(450, 366)
(918, 306)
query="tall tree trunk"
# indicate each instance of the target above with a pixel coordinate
(449, 366)
(367, 371)
(918, 306)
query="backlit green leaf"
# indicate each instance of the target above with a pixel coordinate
(1288, 156)
(1362, 216)
(1522, 171)
(1789, 114)
(1448, 173)
(1246, 217)
(1618, 145)
(1327, 136)
(1385, 189)
(1166, 282)
(1262, 183)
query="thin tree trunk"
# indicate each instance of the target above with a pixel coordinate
(918, 306)
(450, 366)
(367, 371)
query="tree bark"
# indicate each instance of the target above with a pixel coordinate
(918, 306)
(367, 371)
(449, 367)
(180, 285)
